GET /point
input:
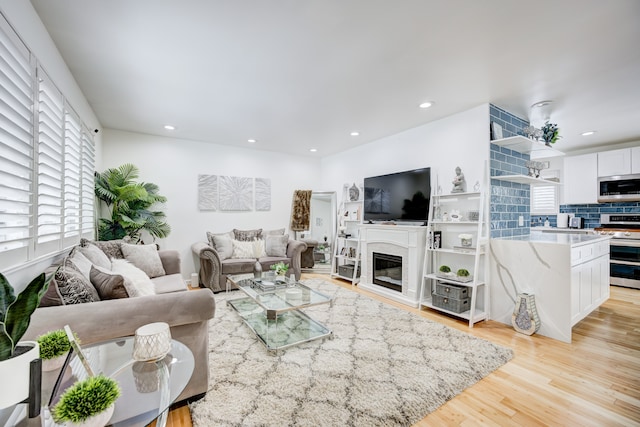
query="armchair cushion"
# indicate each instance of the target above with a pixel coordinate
(145, 257)
(276, 246)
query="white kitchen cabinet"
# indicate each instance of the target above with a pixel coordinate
(580, 179)
(614, 162)
(589, 279)
(635, 160)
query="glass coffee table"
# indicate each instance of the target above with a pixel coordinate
(272, 309)
(148, 388)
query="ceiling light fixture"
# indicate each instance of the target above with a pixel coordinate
(355, 133)
(313, 150)
(587, 133)
(169, 127)
(426, 104)
(251, 141)
(541, 104)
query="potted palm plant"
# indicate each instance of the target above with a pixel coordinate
(89, 402)
(130, 204)
(16, 355)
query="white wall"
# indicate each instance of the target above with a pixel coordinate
(174, 165)
(458, 140)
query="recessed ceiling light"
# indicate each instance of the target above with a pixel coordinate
(426, 104)
(354, 133)
(169, 127)
(313, 150)
(589, 132)
(251, 141)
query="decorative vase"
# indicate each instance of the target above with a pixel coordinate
(97, 420)
(525, 317)
(16, 371)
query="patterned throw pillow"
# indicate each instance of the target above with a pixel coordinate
(111, 248)
(242, 250)
(276, 246)
(73, 287)
(259, 249)
(145, 257)
(247, 235)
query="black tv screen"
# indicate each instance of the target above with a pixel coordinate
(401, 196)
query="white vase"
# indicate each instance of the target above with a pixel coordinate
(525, 317)
(97, 420)
(54, 364)
(16, 371)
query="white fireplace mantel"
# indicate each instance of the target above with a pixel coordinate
(406, 241)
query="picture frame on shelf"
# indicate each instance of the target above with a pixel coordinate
(496, 131)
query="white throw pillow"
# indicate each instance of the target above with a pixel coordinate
(136, 281)
(259, 249)
(81, 262)
(242, 250)
(145, 257)
(96, 256)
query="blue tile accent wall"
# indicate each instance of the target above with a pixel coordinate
(509, 200)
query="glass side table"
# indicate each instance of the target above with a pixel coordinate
(148, 388)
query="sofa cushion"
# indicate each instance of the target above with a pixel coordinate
(73, 287)
(80, 262)
(276, 232)
(96, 256)
(222, 243)
(238, 266)
(108, 284)
(242, 250)
(111, 248)
(145, 257)
(259, 248)
(247, 235)
(136, 281)
(276, 245)
(169, 283)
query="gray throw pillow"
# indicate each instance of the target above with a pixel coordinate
(96, 256)
(145, 257)
(276, 232)
(108, 284)
(247, 235)
(276, 246)
(80, 262)
(111, 248)
(223, 244)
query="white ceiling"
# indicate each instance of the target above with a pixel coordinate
(301, 74)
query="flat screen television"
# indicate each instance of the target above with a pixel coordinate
(398, 197)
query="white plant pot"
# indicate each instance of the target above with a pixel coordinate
(54, 364)
(15, 371)
(98, 420)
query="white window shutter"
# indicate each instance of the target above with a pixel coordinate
(16, 148)
(72, 173)
(544, 198)
(88, 186)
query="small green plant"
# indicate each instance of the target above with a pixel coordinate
(550, 133)
(85, 399)
(280, 268)
(445, 269)
(54, 344)
(15, 312)
(462, 272)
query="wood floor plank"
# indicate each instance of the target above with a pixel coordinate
(593, 381)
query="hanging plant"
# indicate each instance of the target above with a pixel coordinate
(550, 133)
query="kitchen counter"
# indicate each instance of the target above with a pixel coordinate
(562, 230)
(568, 274)
(573, 239)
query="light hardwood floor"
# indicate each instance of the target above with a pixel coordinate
(594, 381)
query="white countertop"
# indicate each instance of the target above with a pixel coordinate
(562, 230)
(573, 239)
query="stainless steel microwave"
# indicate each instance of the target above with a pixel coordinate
(619, 188)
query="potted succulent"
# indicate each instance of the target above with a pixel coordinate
(280, 269)
(550, 133)
(462, 275)
(16, 356)
(444, 271)
(89, 402)
(54, 346)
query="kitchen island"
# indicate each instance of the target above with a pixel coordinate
(568, 274)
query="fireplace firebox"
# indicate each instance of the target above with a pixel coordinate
(387, 271)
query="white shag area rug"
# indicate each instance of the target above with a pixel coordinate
(383, 367)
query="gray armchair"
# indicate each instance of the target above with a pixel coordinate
(213, 270)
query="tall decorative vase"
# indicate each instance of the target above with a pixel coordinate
(525, 317)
